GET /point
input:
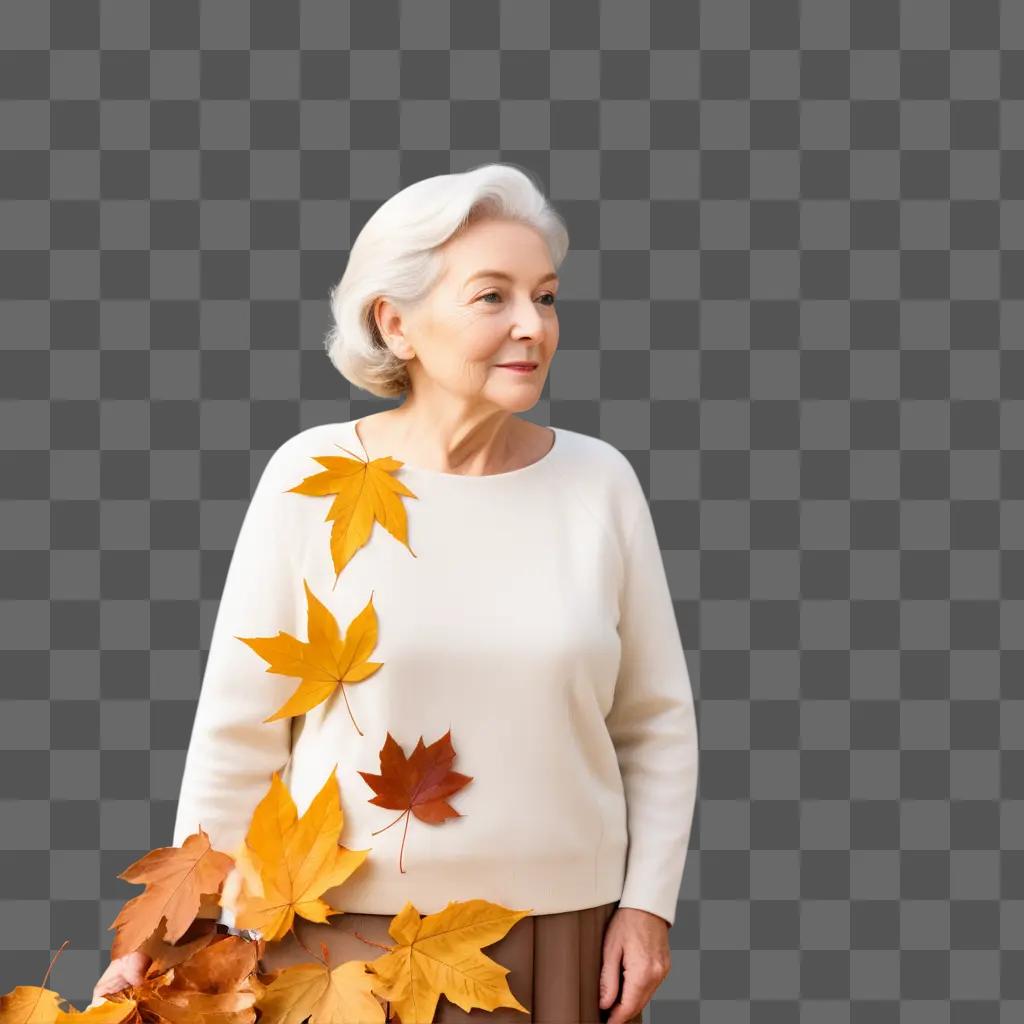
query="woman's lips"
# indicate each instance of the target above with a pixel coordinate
(518, 367)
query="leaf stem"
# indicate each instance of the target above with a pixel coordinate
(39, 994)
(295, 932)
(53, 961)
(370, 942)
(395, 822)
(354, 455)
(401, 849)
(344, 694)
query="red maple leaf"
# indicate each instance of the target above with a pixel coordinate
(419, 784)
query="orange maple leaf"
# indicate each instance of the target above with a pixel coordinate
(326, 661)
(164, 954)
(324, 994)
(441, 955)
(365, 493)
(289, 862)
(417, 785)
(215, 983)
(176, 878)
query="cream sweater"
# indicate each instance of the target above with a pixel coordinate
(534, 622)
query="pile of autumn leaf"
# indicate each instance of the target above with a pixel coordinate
(202, 975)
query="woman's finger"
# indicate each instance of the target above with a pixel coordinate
(634, 998)
(105, 986)
(611, 969)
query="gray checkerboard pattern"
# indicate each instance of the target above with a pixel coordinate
(795, 284)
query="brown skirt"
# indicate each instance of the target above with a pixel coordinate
(554, 962)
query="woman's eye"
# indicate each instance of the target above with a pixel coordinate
(546, 295)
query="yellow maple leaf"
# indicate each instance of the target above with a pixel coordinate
(341, 995)
(365, 493)
(441, 955)
(34, 1004)
(296, 859)
(326, 661)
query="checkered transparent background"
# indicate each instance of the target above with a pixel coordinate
(793, 298)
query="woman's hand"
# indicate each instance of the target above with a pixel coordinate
(122, 972)
(131, 969)
(635, 942)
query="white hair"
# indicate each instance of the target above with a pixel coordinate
(396, 257)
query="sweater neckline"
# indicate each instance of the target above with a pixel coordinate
(471, 479)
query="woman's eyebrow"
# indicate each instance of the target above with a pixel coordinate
(507, 277)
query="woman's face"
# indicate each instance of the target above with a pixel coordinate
(494, 304)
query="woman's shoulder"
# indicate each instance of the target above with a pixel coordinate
(320, 439)
(315, 437)
(292, 459)
(594, 474)
(602, 460)
(595, 451)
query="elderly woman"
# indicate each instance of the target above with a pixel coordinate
(526, 614)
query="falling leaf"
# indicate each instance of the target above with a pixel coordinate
(296, 859)
(326, 661)
(341, 995)
(176, 878)
(214, 985)
(441, 955)
(32, 1004)
(417, 785)
(163, 954)
(365, 493)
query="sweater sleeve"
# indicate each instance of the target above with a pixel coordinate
(233, 752)
(652, 724)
